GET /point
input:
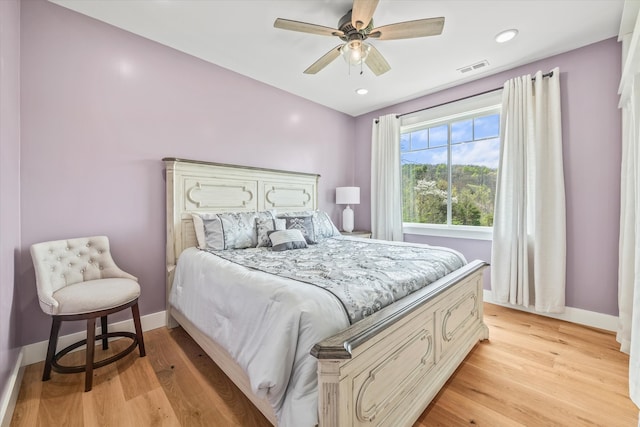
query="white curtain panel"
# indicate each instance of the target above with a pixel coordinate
(629, 255)
(629, 250)
(386, 179)
(528, 261)
(628, 242)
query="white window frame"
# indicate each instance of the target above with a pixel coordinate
(458, 110)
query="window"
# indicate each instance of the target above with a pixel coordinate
(449, 159)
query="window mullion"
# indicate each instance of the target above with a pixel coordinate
(473, 129)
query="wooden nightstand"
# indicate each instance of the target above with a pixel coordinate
(357, 233)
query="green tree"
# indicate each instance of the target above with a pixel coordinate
(431, 201)
(425, 193)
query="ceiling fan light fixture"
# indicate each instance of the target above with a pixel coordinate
(506, 35)
(355, 52)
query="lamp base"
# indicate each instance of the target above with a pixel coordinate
(347, 219)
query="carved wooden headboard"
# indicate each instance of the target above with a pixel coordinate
(194, 186)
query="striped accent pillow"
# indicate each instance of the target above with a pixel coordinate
(283, 240)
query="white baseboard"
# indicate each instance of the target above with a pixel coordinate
(10, 393)
(574, 315)
(34, 353)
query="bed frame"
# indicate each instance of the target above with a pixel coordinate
(383, 370)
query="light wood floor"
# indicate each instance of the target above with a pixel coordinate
(534, 371)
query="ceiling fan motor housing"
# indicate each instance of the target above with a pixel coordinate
(350, 32)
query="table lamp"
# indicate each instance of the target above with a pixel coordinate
(347, 196)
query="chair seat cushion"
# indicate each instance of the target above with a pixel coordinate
(95, 295)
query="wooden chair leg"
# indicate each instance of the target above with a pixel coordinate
(51, 350)
(103, 326)
(136, 322)
(91, 345)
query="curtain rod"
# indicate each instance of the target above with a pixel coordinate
(549, 74)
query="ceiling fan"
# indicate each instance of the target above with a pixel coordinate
(357, 26)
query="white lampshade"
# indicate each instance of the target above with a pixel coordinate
(348, 195)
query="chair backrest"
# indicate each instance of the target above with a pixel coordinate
(65, 262)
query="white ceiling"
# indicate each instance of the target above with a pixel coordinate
(239, 35)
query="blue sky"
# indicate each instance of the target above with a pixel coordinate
(429, 146)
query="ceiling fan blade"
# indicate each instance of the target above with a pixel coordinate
(362, 12)
(376, 62)
(409, 29)
(325, 60)
(303, 27)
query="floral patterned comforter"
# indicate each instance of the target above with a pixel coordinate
(365, 275)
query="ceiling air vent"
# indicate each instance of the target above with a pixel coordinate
(474, 67)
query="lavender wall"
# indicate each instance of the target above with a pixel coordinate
(9, 180)
(102, 107)
(591, 135)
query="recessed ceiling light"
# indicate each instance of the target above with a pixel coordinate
(362, 91)
(506, 35)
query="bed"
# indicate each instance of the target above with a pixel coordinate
(381, 370)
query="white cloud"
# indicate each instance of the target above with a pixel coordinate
(481, 153)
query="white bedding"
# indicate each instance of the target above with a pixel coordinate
(241, 315)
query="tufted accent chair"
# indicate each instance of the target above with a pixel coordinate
(77, 279)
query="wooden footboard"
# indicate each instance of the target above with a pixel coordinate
(386, 369)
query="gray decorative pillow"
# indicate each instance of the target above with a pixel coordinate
(283, 240)
(239, 230)
(198, 226)
(304, 224)
(264, 225)
(229, 230)
(213, 235)
(323, 227)
(297, 213)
